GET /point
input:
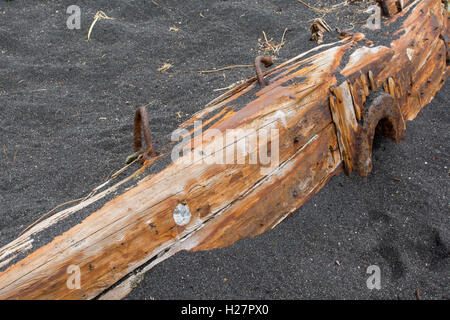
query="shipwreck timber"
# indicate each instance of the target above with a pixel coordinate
(325, 104)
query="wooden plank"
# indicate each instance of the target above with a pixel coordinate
(275, 198)
(313, 123)
(138, 225)
(412, 70)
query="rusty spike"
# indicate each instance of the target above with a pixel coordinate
(142, 127)
(267, 61)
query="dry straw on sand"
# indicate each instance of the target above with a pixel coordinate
(98, 16)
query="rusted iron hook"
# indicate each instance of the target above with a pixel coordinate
(142, 127)
(267, 61)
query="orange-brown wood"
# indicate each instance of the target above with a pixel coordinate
(412, 70)
(318, 119)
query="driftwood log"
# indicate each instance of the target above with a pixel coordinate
(326, 106)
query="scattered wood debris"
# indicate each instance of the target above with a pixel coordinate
(166, 66)
(231, 86)
(227, 68)
(100, 15)
(326, 10)
(268, 46)
(344, 33)
(49, 212)
(174, 29)
(318, 27)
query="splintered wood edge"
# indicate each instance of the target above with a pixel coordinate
(124, 244)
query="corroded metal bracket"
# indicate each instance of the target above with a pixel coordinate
(358, 120)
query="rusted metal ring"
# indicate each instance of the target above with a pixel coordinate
(267, 61)
(383, 110)
(142, 127)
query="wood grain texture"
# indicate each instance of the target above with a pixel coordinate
(412, 70)
(138, 225)
(317, 120)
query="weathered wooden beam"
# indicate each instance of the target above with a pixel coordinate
(321, 109)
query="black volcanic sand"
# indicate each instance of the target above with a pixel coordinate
(66, 110)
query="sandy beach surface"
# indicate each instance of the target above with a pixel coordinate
(66, 115)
